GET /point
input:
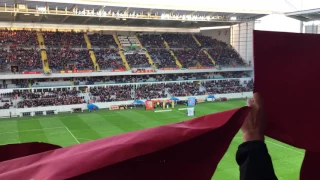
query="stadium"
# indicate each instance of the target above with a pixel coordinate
(73, 73)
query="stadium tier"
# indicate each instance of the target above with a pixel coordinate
(68, 50)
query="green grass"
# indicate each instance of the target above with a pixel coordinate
(68, 129)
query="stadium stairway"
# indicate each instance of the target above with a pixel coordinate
(206, 52)
(124, 60)
(172, 54)
(196, 40)
(147, 54)
(43, 53)
(91, 53)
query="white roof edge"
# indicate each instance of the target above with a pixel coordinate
(157, 6)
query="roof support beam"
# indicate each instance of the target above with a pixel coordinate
(40, 18)
(87, 20)
(108, 21)
(64, 19)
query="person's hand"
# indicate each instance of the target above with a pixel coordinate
(253, 128)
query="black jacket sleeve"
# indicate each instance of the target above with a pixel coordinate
(255, 162)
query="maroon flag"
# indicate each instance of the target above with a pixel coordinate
(186, 150)
(286, 76)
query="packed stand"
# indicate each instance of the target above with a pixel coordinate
(184, 89)
(226, 56)
(64, 39)
(51, 98)
(236, 74)
(25, 59)
(137, 60)
(18, 38)
(109, 59)
(4, 61)
(102, 40)
(225, 86)
(163, 58)
(150, 91)
(180, 40)
(208, 42)
(60, 59)
(152, 40)
(204, 60)
(188, 57)
(111, 93)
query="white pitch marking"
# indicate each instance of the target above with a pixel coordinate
(72, 134)
(31, 130)
(163, 110)
(284, 147)
(277, 145)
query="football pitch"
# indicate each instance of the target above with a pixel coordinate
(68, 129)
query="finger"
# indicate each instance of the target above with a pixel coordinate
(250, 102)
(257, 99)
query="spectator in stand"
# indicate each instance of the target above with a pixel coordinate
(163, 58)
(150, 91)
(204, 60)
(184, 89)
(64, 39)
(225, 86)
(152, 40)
(3, 61)
(187, 57)
(109, 59)
(112, 93)
(137, 60)
(102, 40)
(206, 41)
(25, 59)
(19, 38)
(51, 98)
(67, 59)
(180, 40)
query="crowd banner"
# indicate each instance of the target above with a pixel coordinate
(32, 72)
(191, 101)
(114, 107)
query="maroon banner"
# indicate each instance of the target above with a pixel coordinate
(31, 72)
(204, 67)
(144, 71)
(117, 70)
(167, 68)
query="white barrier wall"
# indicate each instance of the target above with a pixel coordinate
(68, 108)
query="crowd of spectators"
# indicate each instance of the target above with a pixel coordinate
(180, 40)
(225, 86)
(187, 57)
(59, 59)
(204, 60)
(137, 60)
(18, 38)
(64, 39)
(3, 61)
(207, 41)
(51, 98)
(102, 40)
(162, 57)
(184, 89)
(109, 59)
(226, 56)
(150, 91)
(152, 40)
(112, 93)
(25, 59)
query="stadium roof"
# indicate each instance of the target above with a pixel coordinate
(66, 13)
(305, 15)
